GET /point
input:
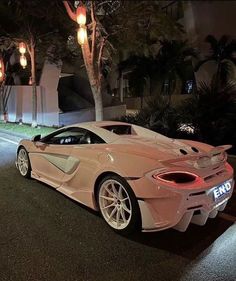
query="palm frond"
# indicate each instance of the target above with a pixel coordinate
(213, 42)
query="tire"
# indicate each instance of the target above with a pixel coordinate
(118, 205)
(23, 163)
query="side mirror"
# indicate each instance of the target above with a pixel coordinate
(36, 138)
(40, 144)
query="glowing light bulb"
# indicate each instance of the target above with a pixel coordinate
(22, 48)
(23, 61)
(81, 35)
(81, 15)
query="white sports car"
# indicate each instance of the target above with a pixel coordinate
(134, 177)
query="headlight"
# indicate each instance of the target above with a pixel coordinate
(176, 177)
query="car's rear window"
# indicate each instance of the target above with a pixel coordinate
(119, 129)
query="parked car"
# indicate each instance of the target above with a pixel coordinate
(136, 178)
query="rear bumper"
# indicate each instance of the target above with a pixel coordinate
(177, 209)
(200, 216)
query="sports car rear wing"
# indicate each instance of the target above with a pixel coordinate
(201, 160)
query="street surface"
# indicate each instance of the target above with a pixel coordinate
(46, 236)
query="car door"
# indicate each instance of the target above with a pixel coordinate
(51, 156)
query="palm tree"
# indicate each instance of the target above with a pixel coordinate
(175, 63)
(222, 53)
(212, 113)
(172, 63)
(141, 69)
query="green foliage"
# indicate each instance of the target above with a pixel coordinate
(142, 68)
(43, 22)
(173, 62)
(222, 53)
(157, 116)
(25, 130)
(212, 113)
(139, 25)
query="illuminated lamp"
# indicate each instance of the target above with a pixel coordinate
(81, 15)
(2, 72)
(30, 81)
(82, 35)
(23, 61)
(1, 75)
(22, 48)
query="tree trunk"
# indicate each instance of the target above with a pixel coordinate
(5, 117)
(218, 77)
(94, 76)
(34, 86)
(94, 81)
(98, 105)
(1, 102)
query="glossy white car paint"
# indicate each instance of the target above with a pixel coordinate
(139, 157)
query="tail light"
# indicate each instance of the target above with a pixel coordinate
(176, 177)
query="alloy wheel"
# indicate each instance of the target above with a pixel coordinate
(115, 204)
(23, 162)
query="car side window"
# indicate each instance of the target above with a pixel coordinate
(65, 136)
(72, 136)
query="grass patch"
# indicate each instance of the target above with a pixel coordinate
(25, 130)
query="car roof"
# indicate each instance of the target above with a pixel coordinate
(97, 128)
(101, 123)
(110, 137)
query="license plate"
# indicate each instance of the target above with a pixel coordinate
(221, 190)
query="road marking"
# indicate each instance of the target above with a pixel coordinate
(227, 217)
(14, 142)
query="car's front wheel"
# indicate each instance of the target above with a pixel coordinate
(118, 204)
(23, 163)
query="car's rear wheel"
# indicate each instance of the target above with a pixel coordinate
(118, 205)
(23, 163)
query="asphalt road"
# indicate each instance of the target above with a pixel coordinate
(46, 236)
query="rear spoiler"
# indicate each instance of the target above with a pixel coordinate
(202, 157)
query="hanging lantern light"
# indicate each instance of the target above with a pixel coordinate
(81, 35)
(81, 15)
(2, 71)
(22, 48)
(30, 81)
(23, 61)
(1, 75)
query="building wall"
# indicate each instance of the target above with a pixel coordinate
(20, 99)
(110, 113)
(49, 102)
(202, 18)
(20, 104)
(212, 17)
